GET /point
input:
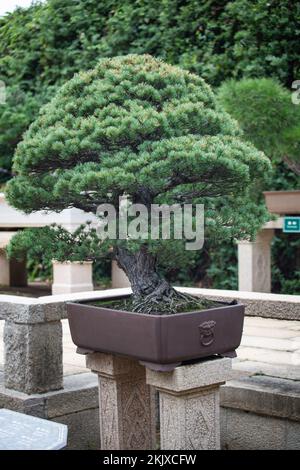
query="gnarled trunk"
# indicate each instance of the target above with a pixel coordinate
(140, 268)
(151, 293)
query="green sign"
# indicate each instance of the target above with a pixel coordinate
(291, 224)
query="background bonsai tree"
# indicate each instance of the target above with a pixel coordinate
(136, 126)
(55, 243)
(267, 116)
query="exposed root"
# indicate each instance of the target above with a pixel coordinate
(167, 301)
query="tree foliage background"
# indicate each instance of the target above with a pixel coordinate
(43, 46)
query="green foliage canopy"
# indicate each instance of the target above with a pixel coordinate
(137, 126)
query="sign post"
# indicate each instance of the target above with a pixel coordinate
(291, 225)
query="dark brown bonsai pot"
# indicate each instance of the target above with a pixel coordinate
(283, 202)
(161, 342)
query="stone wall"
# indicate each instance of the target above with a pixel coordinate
(260, 413)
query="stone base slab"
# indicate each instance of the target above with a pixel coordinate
(76, 406)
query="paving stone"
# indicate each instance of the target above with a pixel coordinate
(263, 368)
(269, 343)
(270, 332)
(78, 400)
(273, 323)
(266, 355)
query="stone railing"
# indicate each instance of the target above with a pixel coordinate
(33, 330)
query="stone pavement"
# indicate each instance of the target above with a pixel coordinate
(269, 347)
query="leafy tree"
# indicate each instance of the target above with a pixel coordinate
(267, 115)
(139, 127)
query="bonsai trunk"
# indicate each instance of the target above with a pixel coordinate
(140, 268)
(151, 293)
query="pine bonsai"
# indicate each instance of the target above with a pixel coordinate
(139, 127)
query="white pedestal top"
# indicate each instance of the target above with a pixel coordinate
(23, 432)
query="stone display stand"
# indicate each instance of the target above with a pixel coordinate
(189, 402)
(69, 277)
(126, 403)
(188, 397)
(254, 260)
(32, 347)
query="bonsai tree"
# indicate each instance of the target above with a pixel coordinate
(139, 127)
(267, 115)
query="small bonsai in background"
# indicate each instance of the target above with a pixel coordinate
(267, 116)
(137, 127)
(55, 243)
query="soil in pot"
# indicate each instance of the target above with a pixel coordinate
(189, 304)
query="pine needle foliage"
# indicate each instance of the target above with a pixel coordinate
(135, 125)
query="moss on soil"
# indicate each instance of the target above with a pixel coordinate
(127, 305)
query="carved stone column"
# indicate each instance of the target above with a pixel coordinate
(254, 263)
(126, 403)
(190, 405)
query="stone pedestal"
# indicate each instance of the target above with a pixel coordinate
(190, 404)
(118, 277)
(4, 269)
(126, 403)
(254, 263)
(71, 277)
(33, 356)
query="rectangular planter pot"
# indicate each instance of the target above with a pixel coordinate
(160, 341)
(283, 202)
